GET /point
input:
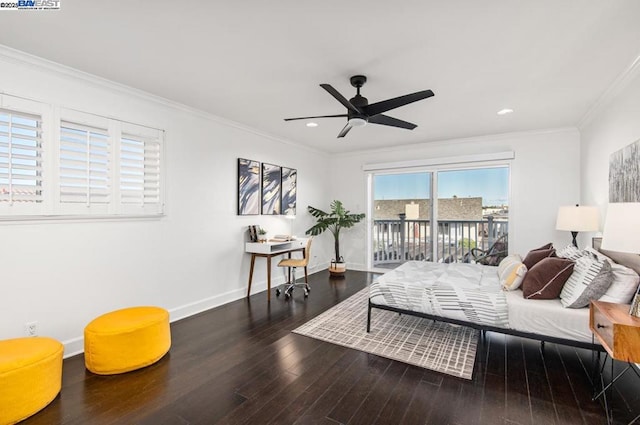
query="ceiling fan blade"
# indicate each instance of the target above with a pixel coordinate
(396, 102)
(345, 130)
(320, 116)
(390, 121)
(340, 98)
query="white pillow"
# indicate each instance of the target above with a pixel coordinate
(589, 281)
(570, 252)
(625, 281)
(511, 272)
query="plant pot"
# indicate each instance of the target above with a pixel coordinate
(337, 268)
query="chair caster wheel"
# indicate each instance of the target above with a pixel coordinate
(308, 288)
(287, 295)
(277, 292)
(306, 294)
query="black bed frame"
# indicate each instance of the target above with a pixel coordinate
(629, 260)
(542, 338)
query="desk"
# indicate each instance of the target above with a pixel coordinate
(268, 250)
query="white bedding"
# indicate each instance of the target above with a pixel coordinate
(468, 292)
(472, 293)
(547, 317)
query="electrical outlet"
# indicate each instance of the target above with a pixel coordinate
(31, 328)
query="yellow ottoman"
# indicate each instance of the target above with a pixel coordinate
(30, 376)
(126, 340)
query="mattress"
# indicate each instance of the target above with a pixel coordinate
(468, 292)
(548, 317)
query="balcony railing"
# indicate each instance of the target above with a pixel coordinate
(396, 241)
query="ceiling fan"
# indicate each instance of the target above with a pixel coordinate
(359, 112)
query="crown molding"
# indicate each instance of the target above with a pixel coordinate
(614, 89)
(18, 57)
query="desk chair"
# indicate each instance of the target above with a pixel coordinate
(292, 263)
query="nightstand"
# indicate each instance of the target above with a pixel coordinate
(619, 334)
(616, 329)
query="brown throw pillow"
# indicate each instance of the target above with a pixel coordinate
(545, 280)
(536, 255)
(547, 246)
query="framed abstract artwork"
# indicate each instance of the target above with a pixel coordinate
(271, 189)
(248, 187)
(624, 174)
(289, 184)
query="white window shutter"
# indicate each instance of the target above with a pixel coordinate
(59, 162)
(84, 164)
(140, 170)
(20, 157)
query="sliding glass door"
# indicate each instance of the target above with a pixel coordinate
(401, 218)
(471, 207)
(473, 214)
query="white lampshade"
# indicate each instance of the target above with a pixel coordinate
(622, 228)
(290, 216)
(578, 219)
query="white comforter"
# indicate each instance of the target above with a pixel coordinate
(472, 293)
(468, 292)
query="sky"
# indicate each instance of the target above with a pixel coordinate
(492, 184)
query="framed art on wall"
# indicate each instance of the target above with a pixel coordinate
(289, 190)
(271, 188)
(248, 187)
(624, 174)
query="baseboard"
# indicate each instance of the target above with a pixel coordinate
(75, 346)
(357, 267)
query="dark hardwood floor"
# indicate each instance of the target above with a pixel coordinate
(240, 363)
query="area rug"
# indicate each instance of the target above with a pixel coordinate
(432, 345)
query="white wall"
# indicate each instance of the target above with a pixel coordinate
(63, 274)
(544, 175)
(613, 124)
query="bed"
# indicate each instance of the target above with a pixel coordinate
(471, 295)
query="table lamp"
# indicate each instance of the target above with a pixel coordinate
(622, 228)
(577, 219)
(622, 234)
(290, 217)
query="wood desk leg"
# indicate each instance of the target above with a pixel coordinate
(253, 262)
(268, 278)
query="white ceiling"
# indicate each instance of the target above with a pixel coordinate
(256, 62)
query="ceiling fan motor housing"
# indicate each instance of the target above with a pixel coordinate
(359, 102)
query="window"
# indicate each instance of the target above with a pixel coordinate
(20, 157)
(139, 170)
(58, 162)
(437, 209)
(84, 164)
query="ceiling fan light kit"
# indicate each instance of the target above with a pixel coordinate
(357, 122)
(359, 112)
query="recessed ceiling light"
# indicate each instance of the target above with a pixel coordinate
(505, 111)
(312, 124)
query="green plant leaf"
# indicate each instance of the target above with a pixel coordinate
(337, 219)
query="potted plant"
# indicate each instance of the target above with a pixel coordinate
(262, 235)
(339, 218)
